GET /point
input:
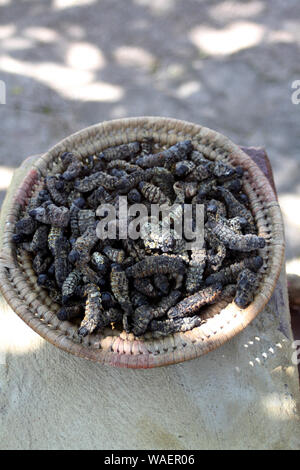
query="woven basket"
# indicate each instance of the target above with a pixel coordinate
(114, 347)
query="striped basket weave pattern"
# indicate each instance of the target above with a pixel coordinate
(114, 347)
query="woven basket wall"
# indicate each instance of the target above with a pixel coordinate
(113, 347)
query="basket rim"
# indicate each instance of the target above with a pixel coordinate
(124, 350)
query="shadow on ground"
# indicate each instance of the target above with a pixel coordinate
(227, 65)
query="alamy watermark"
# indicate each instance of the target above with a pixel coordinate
(2, 92)
(159, 226)
(296, 94)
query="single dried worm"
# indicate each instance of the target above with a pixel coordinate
(160, 264)
(70, 284)
(190, 305)
(52, 215)
(230, 274)
(246, 287)
(167, 157)
(93, 310)
(120, 289)
(120, 152)
(234, 241)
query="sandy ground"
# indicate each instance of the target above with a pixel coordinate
(228, 65)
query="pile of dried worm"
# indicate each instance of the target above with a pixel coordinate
(153, 283)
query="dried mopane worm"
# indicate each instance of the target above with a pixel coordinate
(115, 255)
(57, 196)
(234, 241)
(120, 152)
(184, 168)
(166, 303)
(246, 287)
(230, 274)
(156, 265)
(26, 226)
(100, 262)
(99, 196)
(167, 157)
(141, 319)
(40, 239)
(153, 193)
(54, 234)
(134, 196)
(131, 181)
(120, 287)
(216, 252)
(193, 303)
(75, 208)
(161, 282)
(86, 219)
(236, 208)
(38, 199)
(74, 168)
(171, 326)
(112, 315)
(61, 252)
(161, 177)
(97, 179)
(70, 284)
(70, 312)
(83, 245)
(41, 263)
(144, 313)
(195, 271)
(122, 165)
(89, 275)
(147, 146)
(52, 215)
(144, 286)
(157, 283)
(93, 310)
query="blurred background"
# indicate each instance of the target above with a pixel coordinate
(228, 65)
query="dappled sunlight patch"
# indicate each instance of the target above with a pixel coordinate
(260, 352)
(275, 403)
(157, 6)
(6, 174)
(41, 34)
(15, 336)
(293, 266)
(290, 204)
(56, 76)
(235, 37)
(6, 30)
(134, 57)
(292, 26)
(85, 56)
(16, 43)
(280, 36)
(231, 9)
(75, 31)
(98, 91)
(61, 4)
(70, 83)
(174, 71)
(187, 89)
